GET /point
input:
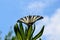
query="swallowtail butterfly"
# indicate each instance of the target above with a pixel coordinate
(29, 20)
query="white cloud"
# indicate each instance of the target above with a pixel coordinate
(52, 29)
(37, 7)
(50, 1)
(40, 4)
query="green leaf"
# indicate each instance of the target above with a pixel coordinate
(17, 32)
(22, 30)
(39, 34)
(26, 30)
(29, 33)
(34, 28)
(33, 31)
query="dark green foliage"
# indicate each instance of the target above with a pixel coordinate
(26, 34)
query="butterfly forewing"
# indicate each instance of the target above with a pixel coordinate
(34, 18)
(31, 18)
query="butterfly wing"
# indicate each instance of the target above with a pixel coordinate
(30, 19)
(36, 18)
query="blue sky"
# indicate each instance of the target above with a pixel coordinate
(12, 10)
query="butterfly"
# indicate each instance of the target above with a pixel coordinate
(30, 20)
